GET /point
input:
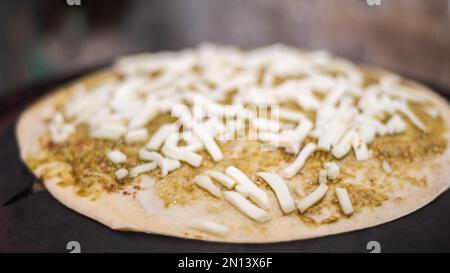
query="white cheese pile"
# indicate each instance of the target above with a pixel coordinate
(191, 85)
(122, 108)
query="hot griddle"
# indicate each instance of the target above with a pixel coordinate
(35, 222)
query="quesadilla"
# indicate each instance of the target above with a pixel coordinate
(222, 144)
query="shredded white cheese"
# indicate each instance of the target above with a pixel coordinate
(412, 117)
(298, 163)
(109, 131)
(148, 112)
(313, 198)
(209, 143)
(360, 149)
(136, 135)
(117, 157)
(246, 187)
(157, 158)
(210, 227)
(223, 179)
(344, 200)
(205, 183)
(332, 135)
(395, 125)
(323, 177)
(181, 154)
(135, 171)
(281, 190)
(291, 115)
(121, 173)
(344, 145)
(59, 129)
(194, 146)
(333, 170)
(160, 137)
(172, 164)
(246, 207)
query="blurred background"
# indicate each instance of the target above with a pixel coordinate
(41, 40)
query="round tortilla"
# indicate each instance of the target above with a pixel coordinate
(145, 212)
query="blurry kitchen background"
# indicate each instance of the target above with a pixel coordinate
(43, 39)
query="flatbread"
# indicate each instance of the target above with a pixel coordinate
(379, 196)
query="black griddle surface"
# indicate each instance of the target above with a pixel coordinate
(38, 223)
